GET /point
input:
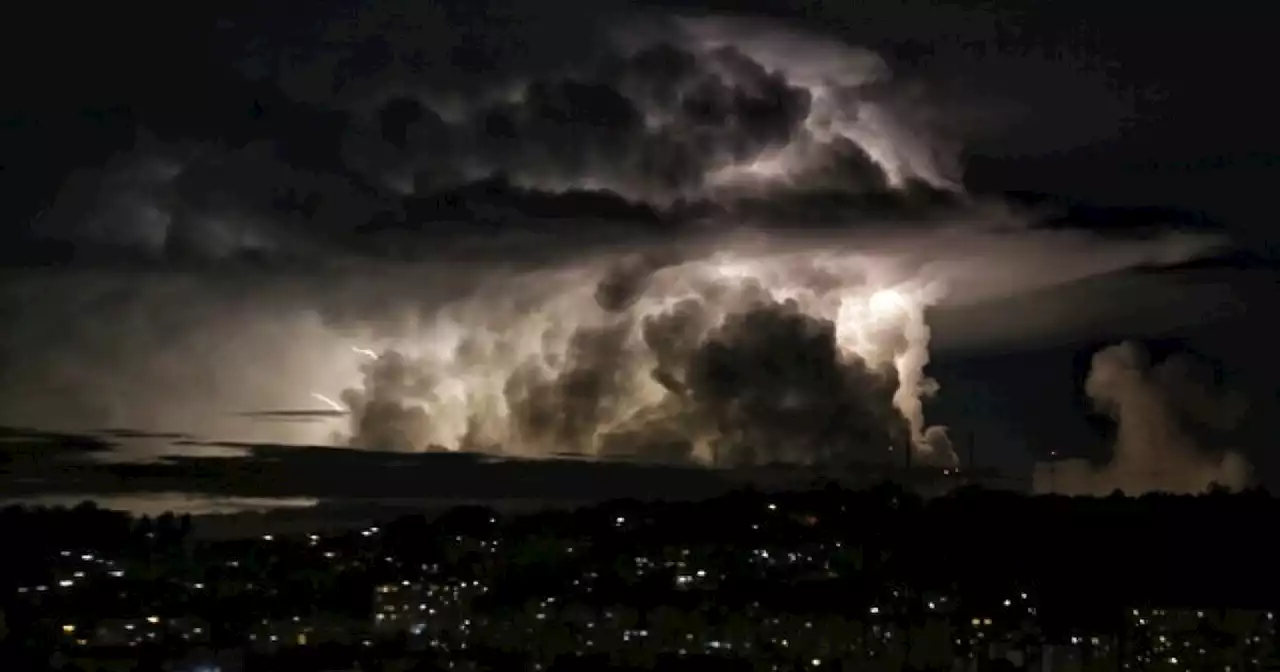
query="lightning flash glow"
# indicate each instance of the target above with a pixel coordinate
(328, 402)
(619, 357)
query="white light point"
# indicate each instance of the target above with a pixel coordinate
(887, 302)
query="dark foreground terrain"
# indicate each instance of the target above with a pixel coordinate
(824, 579)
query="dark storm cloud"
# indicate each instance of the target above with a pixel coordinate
(296, 415)
(213, 204)
(779, 388)
(611, 135)
(120, 433)
(1107, 307)
(567, 409)
(653, 125)
(318, 78)
(325, 484)
(386, 414)
(626, 280)
(206, 203)
(390, 177)
(38, 444)
(340, 475)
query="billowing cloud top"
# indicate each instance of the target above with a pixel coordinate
(683, 119)
(704, 106)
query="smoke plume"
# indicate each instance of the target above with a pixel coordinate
(1157, 410)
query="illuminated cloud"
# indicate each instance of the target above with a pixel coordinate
(605, 256)
(578, 364)
(1156, 409)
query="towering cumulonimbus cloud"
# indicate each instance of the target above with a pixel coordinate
(727, 360)
(706, 240)
(1157, 410)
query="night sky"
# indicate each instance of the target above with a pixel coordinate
(229, 229)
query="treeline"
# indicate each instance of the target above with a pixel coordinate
(34, 535)
(86, 526)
